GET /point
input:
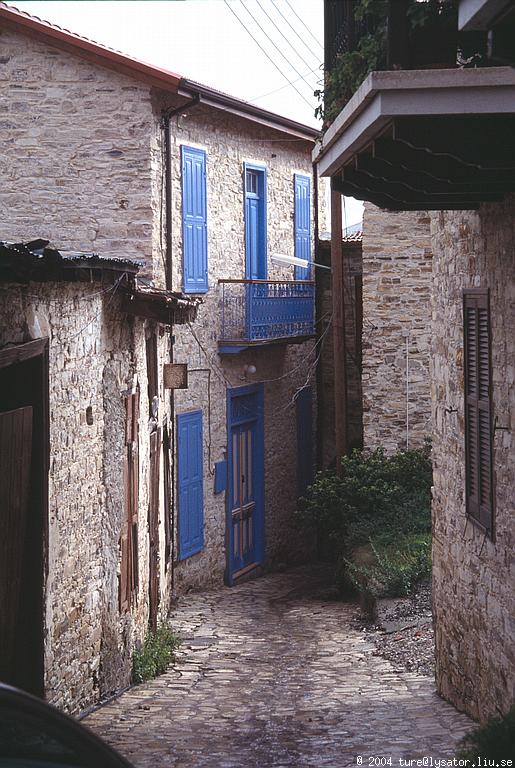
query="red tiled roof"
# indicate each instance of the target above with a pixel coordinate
(147, 73)
(354, 237)
(89, 49)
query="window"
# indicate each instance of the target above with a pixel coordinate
(128, 581)
(194, 220)
(255, 223)
(190, 483)
(302, 224)
(252, 182)
(478, 411)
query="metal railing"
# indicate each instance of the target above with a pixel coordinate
(267, 310)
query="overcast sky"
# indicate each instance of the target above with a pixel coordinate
(269, 52)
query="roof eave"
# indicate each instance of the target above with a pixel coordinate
(213, 98)
(88, 49)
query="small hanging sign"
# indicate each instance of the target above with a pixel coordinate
(175, 375)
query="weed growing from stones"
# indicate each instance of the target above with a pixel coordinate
(155, 655)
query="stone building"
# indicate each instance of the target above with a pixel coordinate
(397, 261)
(108, 155)
(78, 477)
(441, 140)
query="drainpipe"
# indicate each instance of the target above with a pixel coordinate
(166, 116)
(165, 122)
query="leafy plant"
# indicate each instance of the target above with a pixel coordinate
(495, 740)
(155, 655)
(374, 521)
(394, 571)
(434, 19)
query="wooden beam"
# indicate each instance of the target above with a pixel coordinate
(340, 374)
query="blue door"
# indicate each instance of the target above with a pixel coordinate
(304, 413)
(255, 223)
(246, 480)
(190, 483)
(302, 224)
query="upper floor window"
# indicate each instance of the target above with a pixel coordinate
(194, 220)
(478, 407)
(302, 224)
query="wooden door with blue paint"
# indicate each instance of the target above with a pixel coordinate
(243, 499)
(255, 223)
(245, 480)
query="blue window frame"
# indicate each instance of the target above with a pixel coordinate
(255, 222)
(302, 225)
(190, 483)
(194, 220)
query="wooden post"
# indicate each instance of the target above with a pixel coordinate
(340, 373)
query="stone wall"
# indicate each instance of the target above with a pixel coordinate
(84, 156)
(397, 261)
(474, 599)
(229, 142)
(75, 137)
(95, 354)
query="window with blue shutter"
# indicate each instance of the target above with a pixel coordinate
(194, 220)
(302, 224)
(190, 483)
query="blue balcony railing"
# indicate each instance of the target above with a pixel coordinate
(259, 311)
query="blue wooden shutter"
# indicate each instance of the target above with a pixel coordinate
(302, 224)
(190, 485)
(194, 220)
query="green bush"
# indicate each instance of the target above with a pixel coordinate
(494, 741)
(375, 520)
(394, 570)
(155, 655)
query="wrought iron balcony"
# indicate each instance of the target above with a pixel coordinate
(262, 311)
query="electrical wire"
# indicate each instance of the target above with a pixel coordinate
(61, 300)
(303, 24)
(276, 48)
(266, 54)
(282, 87)
(295, 51)
(114, 288)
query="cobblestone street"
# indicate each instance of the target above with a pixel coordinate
(272, 674)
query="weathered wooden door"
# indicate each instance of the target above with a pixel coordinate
(153, 527)
(246, 481)
(243, 499)
(15, 475)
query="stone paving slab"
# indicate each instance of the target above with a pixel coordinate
(272, 674)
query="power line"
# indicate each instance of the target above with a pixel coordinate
(282, 87)
(276, 47)
(304, 25)
(266, 54)
(295, 51)
(293, 29)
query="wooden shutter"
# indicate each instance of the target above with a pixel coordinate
(152, 369)
(194, 220)
(478, 410)
(129, 532)
(190, 483)
(153, 526)
(167, 495)
(302, 224)
(15, 511)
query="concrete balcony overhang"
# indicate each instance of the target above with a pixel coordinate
(425, 139)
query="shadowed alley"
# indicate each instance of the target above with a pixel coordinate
(272, 674)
